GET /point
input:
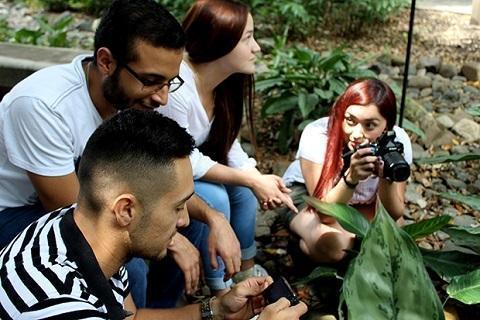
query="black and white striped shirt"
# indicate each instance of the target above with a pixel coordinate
(49, 271)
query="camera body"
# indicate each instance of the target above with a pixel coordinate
(395, 167)
(278, 289)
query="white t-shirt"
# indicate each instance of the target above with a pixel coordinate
(45, 122)
(185, 107)
(313, 145)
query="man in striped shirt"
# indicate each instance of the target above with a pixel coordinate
(135, 179)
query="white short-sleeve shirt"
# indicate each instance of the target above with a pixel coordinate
(312, 147)
(45, 122)
(185, 107)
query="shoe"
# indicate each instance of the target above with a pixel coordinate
(255, 271)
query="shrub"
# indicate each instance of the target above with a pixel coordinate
(301, 84)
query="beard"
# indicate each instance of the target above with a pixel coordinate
(114, 93)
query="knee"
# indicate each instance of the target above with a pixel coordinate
(329, 248)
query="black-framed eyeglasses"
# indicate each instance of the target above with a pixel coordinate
(153, 85)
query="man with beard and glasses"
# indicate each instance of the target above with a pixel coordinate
(46, 120)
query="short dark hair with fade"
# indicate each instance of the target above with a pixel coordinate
(135, 148)
(127, 21)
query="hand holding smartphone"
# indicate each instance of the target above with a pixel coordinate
(278, 289)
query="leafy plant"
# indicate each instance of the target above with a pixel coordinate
(49, 34)
(301, 84)
(177, 8)
(387, 280)
(349, 17)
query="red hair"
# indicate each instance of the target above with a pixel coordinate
(361, 92)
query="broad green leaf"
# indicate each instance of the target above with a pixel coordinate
(410, 126)
(448, 264)
(466, 288)
(319, 272)
(307, 103)
(304, 123)
(468, 237)
(387, 280)
(324, 94)
(348, 217)
(426, 227)
(471, 201)
(449, 158)
(279, 105)
(268, 83)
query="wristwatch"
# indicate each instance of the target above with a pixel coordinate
(206, 308)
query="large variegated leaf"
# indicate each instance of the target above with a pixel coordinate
(448, 158)
(448, 264)
(349, 218)
(388, 280)
(466, 288)
(426, 227)
(468, 237)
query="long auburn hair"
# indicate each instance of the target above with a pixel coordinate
(213, 28)
(361, 92)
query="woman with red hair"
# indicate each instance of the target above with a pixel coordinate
(360, 116)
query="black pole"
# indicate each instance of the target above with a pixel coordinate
(407, 63)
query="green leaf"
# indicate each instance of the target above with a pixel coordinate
(27, 36)
(279, 105)
(449, 158)
(410, 126)
(474, 110)
(426, 227)
(387, 280)
(471, 201)
(348, 217)
(319, 272)
(262, 85)
(448, 264)
(466, 288)
(468, 237)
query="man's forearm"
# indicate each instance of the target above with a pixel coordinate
(199, 210)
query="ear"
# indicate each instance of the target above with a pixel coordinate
(106, 64)
(125, 208)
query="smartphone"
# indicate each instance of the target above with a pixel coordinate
(278, 289)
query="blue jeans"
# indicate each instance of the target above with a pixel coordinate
(165, 279)
(14, 220)
(239, 206)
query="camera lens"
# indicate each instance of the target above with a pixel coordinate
(395, 167)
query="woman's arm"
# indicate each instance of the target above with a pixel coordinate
(392, 196)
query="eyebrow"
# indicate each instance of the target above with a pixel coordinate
(185, 199)
(369, 119)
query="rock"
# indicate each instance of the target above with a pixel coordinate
(419, 152)
(465, 220)
(448, 70)
(460, 149)
(425, 245)
(445, 121)
(456, 184)
(426, 92)
(471, 90)
(280, 166)
(420, 82)
(413, 93)
(451, 95)
(468, 129)
(421, 72)
(471, 70)
(431, 64)
(398, 61)
(450, 211)
(385, 59)
(459, 79)
(248, 148)
(459, 115)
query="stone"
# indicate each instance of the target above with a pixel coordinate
(419, 152)
(451, 95)
(426, 92)
(467, 129)
(465, 220)
(421, 72)
(450, 211)
(456, 184)
(398, 60)
(420, 82)
(280, 166)
(431, 64)
(459, 115)
(445, 121)
(471, 90)
(448, 70)
(460, 149)
(471, 70)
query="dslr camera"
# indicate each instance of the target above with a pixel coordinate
(395, 167)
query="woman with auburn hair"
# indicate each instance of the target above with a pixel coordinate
(218, 71)
(365, 111)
